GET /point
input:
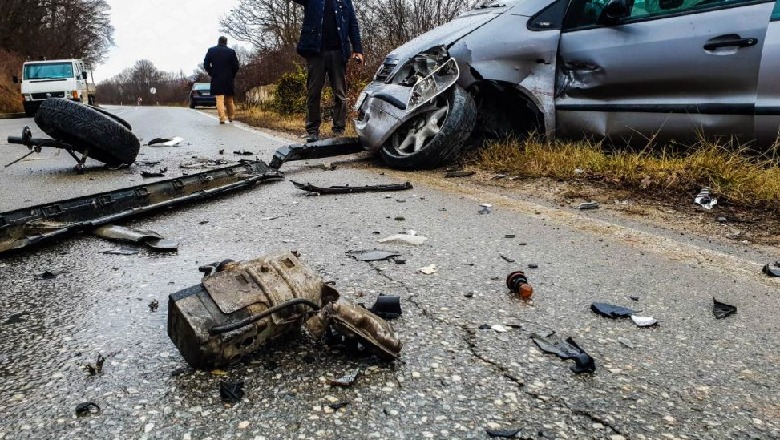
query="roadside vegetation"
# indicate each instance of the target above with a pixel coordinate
(735, 174)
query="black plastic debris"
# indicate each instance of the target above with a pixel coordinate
(485, 327)
(346, 189)
(507, 259)
(47, 275)
(231, 392)
(634, 298)
(160, 173)
(122, 251)
(451, 174)
(315, 150)
(98, 367)
(611, 311)
(154, 305)
(771, 271)
(533, 266)
(502, 433)
(566, 350)
(387, 307)
(243, 153)
(722, 310)
(87, 409)
(338, 405)
(373, 255)
(165, 142)
(16, 318)
(345, 381)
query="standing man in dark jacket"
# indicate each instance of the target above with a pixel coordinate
(221, 63)
(329, 29)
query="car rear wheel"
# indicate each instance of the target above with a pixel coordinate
(435, 137)
(98, 133)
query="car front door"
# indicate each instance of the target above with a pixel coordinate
(665, 69)
(768, 102)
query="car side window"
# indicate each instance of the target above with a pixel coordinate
(588, 13)
(776, 11)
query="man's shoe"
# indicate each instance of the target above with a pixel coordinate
(312, 137)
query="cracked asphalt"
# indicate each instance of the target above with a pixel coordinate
(692, 377)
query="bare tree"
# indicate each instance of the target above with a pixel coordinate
(266, 24)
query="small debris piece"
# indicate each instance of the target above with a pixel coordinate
(87, 409)
(160, 173)
(722, 310)
(589, 205)
(408, 238)
(533, 266)
(400, 219)
(634, 298)
(485, 327)
(345, 381)
(498, 328)
(222, 151)
(626, 342)
(152, 240)
(243, 153)
(47, 275)
(154, 305)
(373, 255)
(339, 405)
(507, 259)
(387, 307)
(502, 433)
(16, 318)
(611, 311)
(485, 208)
(352, 189)
(429, 270)
(98, 367)
(451, 174)
(509, 236)
(231, 392)
(644, 321)
(165, 142)
(567, 349)
(122, 251)
(498, 177)
(469, 295)
(771, 271)
(705, 199)
(517, 283)
(399, 261)
(328, 166)
(722, 220)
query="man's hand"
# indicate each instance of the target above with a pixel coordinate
(357, 57)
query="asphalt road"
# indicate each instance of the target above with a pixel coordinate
(691, 377)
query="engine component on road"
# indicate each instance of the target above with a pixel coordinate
(32, 225)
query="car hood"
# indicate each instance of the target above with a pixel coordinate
(448, 33)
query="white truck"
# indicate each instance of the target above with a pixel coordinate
(70, 79)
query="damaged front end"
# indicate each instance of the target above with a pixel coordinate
(240, 306)
(399, 93)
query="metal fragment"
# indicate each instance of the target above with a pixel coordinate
(315, 150)
(346, 189)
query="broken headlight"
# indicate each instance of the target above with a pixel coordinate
(420, 66)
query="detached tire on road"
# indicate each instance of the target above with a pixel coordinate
(435, 137)
(102, 135)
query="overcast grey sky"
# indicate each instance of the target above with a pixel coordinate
(172, 34)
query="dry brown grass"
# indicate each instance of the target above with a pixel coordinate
(10, 96)
(292, 124)
(734, 173)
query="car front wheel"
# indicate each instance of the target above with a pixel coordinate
(435, 137)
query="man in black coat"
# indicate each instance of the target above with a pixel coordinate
(221, 63)
(329, 29)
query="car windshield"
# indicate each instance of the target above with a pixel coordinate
(201, 87)
(48, 71)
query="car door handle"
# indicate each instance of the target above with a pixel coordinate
(730, 40)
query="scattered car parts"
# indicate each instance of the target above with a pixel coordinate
(240, 306)
(151, 239)
(611, 311)
(315, 150)
(352, 189)
(36, 224)
(387, 307)
(722, 310)
(373, 255)
(705, 199)
(567, 349)
(517, 282)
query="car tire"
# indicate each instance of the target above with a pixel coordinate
(192, 105)
(98, 133)
(435, 137)
(112, 116)
(29, 109)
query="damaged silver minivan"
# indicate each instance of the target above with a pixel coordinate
(624, 70)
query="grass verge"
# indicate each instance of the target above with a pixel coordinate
(733, 173)
(292, 124)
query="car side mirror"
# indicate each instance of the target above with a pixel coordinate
(615, 11)
(84, 75)
(16, 79)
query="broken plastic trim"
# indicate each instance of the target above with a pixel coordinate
(352, 189)
(29, 226)
(315, 150)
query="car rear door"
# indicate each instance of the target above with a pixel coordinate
(670, 69)
(768, 102)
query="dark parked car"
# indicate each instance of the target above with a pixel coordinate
(200, 95)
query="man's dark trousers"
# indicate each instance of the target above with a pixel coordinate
(332, 63)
